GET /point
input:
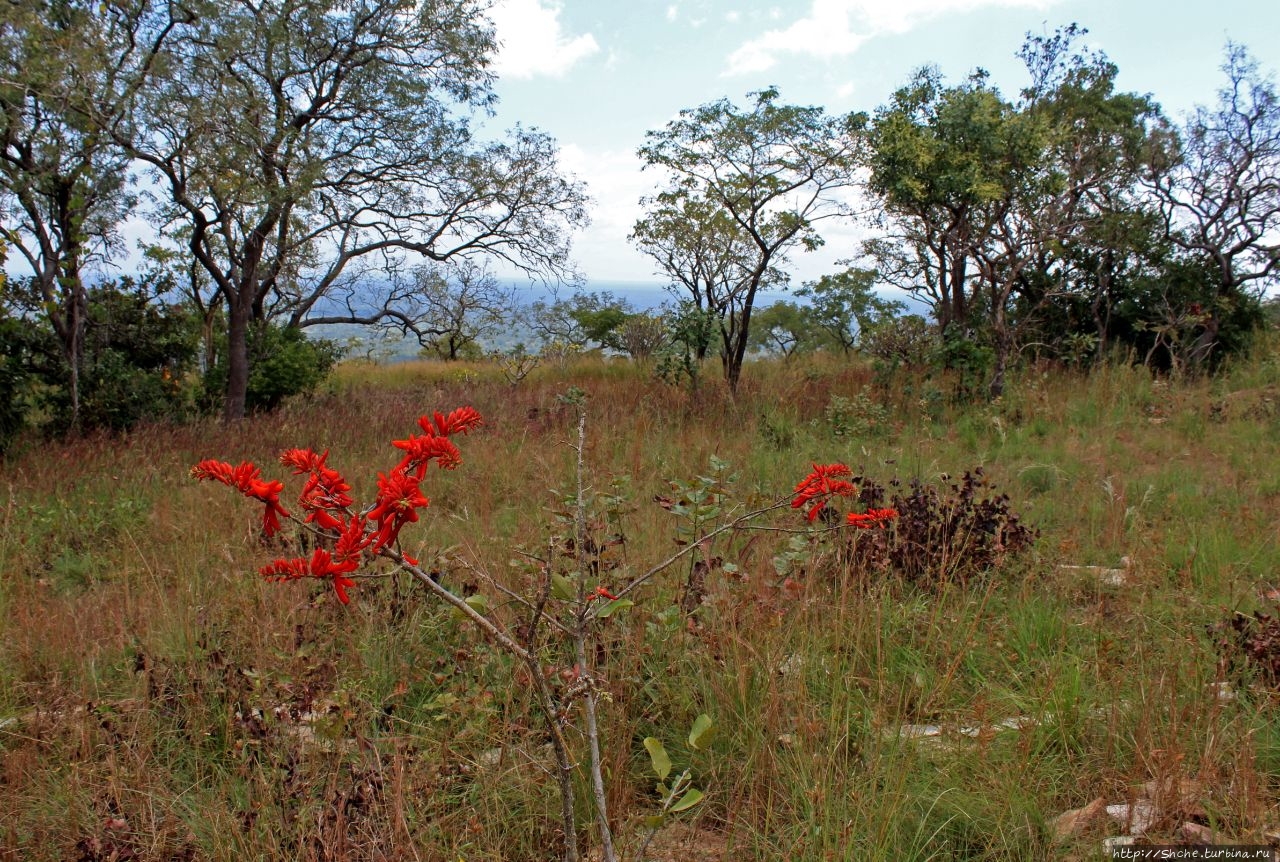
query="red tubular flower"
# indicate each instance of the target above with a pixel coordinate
(872, 518)
(323, 565)
(353, 541)
(420, 451)
(460, 421)
(819, 486)
(245, 478)
(399, 499)
(303, 460)
(286, 570)
(325, 495)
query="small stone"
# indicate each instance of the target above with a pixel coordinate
(1137, 818)
(1197, 834)
(1070, 824)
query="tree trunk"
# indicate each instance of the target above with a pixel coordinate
(1004, 347)
(238, 313)
(77, 312)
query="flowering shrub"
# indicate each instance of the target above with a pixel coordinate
(827, 481)
(328, 506)
(566, 602)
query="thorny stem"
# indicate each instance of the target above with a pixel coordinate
(582, 620)
(546, 698)
(735, 524)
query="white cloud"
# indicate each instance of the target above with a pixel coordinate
(845, 90)
(532, 41)
(616, 184)
(672, 12)
(837, 28)
(733, 16)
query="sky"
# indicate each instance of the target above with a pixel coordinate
(598, 74)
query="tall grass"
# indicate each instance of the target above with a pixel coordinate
(158, 699)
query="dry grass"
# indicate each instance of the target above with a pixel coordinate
(157, 701)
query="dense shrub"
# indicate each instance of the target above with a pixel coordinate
(1249, 647)
(948, 534)
(283, 361)
(138, 355)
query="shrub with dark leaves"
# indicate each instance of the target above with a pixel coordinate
(948, 534)
(1249, 647)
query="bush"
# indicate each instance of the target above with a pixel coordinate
(1249, 647)
(138, 352)
(283, 362)
(952, 534)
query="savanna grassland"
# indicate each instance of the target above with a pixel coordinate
(160, 701)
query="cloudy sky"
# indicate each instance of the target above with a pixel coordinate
(597, 74)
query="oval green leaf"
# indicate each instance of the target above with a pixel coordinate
(562, 588)
(658, 754)
(613, 606)
(703, 730)
(690, 799)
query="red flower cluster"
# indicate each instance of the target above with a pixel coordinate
(325, 495)
(819, 486)
(435, 444)
(872, 518)
(247, 480)
(399, 499)
(327, 501)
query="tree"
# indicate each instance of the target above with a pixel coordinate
(705, 257)
(295, 139)
(783, 328)
(990, 203)
(933, 160)
(584, 320)
(641, 335)
(750, 186)
(70, 73)
(844, 306)
(447, 307)
(1221, 198)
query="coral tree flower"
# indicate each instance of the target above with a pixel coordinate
(434, 444)
(321, 565)
(327, 501)
(872, 518)
(325, 495)
(399, 499)
(246, 479)
(820, 485)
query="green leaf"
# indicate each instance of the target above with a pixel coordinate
(615, 605)
(702, 731)
(654, 821)
(658, 754)
(690, 799)
(562, 588)
(478, 603)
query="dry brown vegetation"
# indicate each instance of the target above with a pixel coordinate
(159, 701)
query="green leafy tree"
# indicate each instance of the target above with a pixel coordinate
(584, 320)
(70, 76)
(298, 140)
(757, 182)
(844, 305)
(783, 328)
(934, 159)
